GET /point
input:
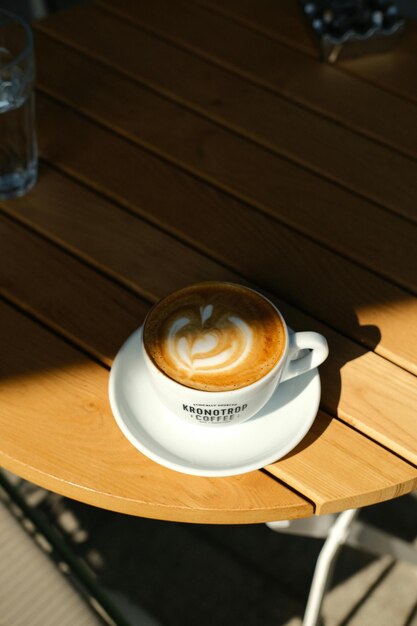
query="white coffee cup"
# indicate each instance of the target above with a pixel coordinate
(220, 408)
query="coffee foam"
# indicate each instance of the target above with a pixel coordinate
(214, 336)
(191, 347)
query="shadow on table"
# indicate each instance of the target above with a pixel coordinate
(330, 370)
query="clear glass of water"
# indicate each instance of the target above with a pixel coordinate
(18, 149)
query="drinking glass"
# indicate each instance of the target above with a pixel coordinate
(18, 149)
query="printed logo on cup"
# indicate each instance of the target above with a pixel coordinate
(213, 412)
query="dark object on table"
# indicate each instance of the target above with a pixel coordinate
(351, 28)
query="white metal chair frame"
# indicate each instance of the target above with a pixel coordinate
(340, 529)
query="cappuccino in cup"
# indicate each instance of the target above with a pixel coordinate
(216, 351)
(214, 336)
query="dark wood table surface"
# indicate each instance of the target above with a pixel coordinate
(187, 141)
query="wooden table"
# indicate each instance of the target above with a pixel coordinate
(189, 141)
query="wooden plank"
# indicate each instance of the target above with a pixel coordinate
(57, 430)
(355, 470)
(362, 388)
(208, 217)
(66, 388)
(65, 293)
(393, 71)
(323, 146)
(235, 164)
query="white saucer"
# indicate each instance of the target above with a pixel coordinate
(205, 450)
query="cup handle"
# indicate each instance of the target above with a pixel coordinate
(318, 351)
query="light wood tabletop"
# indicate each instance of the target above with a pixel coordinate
(205, 140)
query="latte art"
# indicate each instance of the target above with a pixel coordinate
(214, 336)
(208, 342)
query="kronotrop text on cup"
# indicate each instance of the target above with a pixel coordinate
(215, 352)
